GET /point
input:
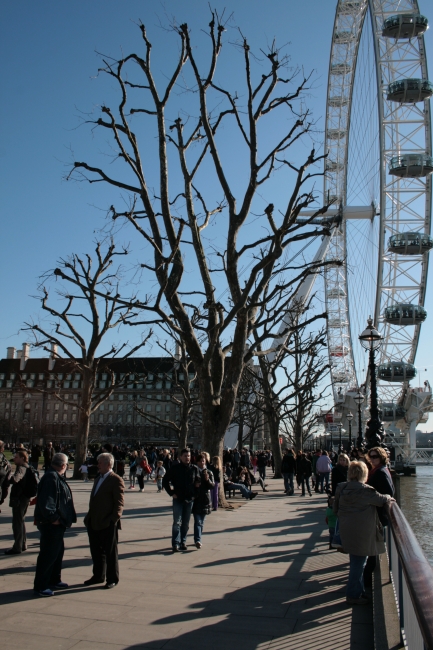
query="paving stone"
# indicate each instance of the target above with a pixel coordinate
(264, 580)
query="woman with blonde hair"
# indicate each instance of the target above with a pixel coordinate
(360, 529)
(216, 468)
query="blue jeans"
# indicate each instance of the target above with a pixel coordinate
(305, 481)
(198, 525)
(181, 516)
(242, 489)
(324, 478)
(355, 584)
(262, 472)
(288, 482)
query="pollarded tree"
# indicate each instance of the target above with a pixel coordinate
(80, 324)
(214, 166)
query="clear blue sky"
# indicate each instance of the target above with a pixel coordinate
(49, 81)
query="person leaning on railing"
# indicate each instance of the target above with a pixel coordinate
(360, 529)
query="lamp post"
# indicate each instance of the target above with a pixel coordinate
(340, 428)
(371, 340)
(359, 400)
(349, 418)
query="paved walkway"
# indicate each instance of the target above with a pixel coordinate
(263, 580)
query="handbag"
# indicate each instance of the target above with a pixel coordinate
(139, 471)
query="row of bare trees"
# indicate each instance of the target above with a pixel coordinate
(214, 272)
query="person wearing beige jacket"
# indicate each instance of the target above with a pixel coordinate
(360, 529)
(103, 521)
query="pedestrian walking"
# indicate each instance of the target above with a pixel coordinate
(180, 483)
(215, 468)
(19, 502)
(360, 529)
(103, 522)
(54, 513)
(202, 499)
(288, 468)
(5, 472)
(160, 472)
(48, 455)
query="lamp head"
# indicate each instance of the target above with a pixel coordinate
(370, 338)
(349, 416)
(359, 399)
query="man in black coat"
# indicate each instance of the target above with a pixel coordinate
(54, 513)
(180, 483)
(288, 469)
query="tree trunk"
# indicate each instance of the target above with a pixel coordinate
(274, 433)
(183, 435)
(240, 435)
(82, 439)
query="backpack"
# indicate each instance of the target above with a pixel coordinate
(32, 482)
(147, 469)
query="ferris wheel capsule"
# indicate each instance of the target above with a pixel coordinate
(390, 411)
(396, 371)
(411, 165)
(410, 243)
(410, 91)
(405, 314)
(340, 68)
(404, 26)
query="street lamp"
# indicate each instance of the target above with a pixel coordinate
(339, 438)
(349, 418)
(359, 400)
(371, 340)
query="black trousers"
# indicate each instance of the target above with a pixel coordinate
(103, 549)
(19, 526)
(49, 563)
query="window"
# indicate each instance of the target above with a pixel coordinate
(167, 418)
(2, 375)
(49, 384)
(120, 397)
(104, 376)
(120, 407)
(75, 395)
(9, 384)
(60, 376)
(65, 417)
(77, 377)
(138, 419)
(167, 408)
(27, 406)
(158, 408)
(158, 385)
(129, 418)
(48, 407)
(168, 384)
(102, 384)
(101, 418)
(68, 377)
(110, 407)
(140, 386)
(41, 377)
(56, 406)
(102, 407)
(74, 417)
(67, 384)
(65, 407)
(130, 397)
(148, 408)
(74, 408)
(56, 417)
(24, 376)
(13, 375)
(158, 396)
(111, 398)
(52, 376)
(75, 384)
(66, 396)
(149, 386)
(47, 417)
(150, 376)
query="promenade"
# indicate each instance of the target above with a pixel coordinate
(263, 580)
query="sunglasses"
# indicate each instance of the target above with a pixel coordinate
(373, 456)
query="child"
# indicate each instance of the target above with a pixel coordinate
(159, 474)
(84, 472)
(331, 520)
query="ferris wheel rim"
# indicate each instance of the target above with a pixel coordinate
(344, 380)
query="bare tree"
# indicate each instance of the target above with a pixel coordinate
(78, 329)
(241, 270)
(183, 395)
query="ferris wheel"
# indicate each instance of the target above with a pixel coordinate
(378, 173)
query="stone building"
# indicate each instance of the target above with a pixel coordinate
(30, 411)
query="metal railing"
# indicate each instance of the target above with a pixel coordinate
(412, 577)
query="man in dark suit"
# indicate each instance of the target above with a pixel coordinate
(103, 521)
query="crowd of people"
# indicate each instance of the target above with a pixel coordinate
(358, 486)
